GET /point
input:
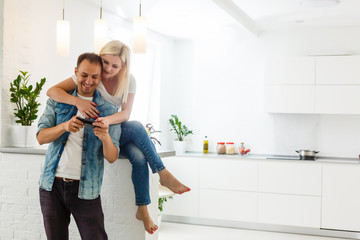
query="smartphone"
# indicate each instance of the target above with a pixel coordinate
(87, 122)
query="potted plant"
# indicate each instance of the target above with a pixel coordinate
(24, 95)
(181, 131)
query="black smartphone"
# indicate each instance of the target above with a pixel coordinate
(86, 122)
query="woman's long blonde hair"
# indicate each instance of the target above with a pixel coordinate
(118, 48)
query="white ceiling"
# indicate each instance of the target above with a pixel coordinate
(185, 18)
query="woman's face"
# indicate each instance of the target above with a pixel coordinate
(111, 65)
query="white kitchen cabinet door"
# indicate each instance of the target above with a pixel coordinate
(289, 98)
(338, 70)
(290, 70)
(341, 197)
(338, 99)
(228, 205)
(292, 210)
(231, 174)
(302, 178)
(185, 169)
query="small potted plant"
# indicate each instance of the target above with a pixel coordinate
(181, 131)
(24, 95)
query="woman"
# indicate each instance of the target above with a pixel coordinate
(118, 87)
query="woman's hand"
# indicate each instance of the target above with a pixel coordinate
(87, 108)
(101, 129)
(73, 125)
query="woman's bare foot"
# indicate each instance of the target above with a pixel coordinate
(142, 214)
(168, 180)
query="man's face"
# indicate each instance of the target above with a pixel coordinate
(88, 77)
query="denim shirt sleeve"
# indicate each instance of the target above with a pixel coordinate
(48, 119)
(115, 133)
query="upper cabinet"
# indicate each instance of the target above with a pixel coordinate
(281, 70)
(338, 70)
(323, 84)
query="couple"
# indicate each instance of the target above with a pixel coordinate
(70, 171)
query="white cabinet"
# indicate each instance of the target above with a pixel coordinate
(290, 70)
(338, 70)
(302, 178)
(340, 99)
(185, 169)
(228, 174)
(292, 210)
(289, 98)
(289, 193)
(324, 84)
(341, 197)
(228, 189)
(228, 205)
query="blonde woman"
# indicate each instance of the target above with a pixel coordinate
(118, 87)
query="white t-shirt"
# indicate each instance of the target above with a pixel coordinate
(70, 162)
(116, 100)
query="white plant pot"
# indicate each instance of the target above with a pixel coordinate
(179, 147)
(23, 136)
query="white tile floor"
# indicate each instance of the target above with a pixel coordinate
(176, 231)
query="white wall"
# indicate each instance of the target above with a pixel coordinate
(30, 45)
(220, 84)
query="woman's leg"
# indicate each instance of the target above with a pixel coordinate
(140, 179)
(134, 131)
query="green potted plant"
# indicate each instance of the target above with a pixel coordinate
(181, 132)
(24, 95)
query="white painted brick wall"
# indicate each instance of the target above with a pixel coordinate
(20, 214)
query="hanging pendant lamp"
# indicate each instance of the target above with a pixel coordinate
(100, 32)
(63, 36)
(139, 33)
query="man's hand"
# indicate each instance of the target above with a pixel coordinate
(101, 129)
(73, 125)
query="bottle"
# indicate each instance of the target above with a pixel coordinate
(206, 145)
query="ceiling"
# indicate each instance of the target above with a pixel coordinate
(185, 18)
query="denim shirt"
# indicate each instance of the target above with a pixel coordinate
(92, 161)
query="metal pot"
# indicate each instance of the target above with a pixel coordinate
(306, 153)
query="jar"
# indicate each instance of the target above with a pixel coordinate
(221, 149)
(230, 148)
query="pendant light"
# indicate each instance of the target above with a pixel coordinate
(63, 36)
(100, 32)
(139, 33)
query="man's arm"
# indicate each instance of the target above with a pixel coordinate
(47, 135)
(101, 130)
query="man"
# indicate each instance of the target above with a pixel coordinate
(72, 176)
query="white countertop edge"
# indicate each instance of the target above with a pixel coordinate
(273, 157)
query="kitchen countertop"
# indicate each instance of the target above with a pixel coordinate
(42, 151)
(273, 157)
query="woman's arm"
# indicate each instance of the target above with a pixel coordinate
(59, 94)
(125, 112)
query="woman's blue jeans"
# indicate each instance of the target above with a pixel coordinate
(136, 146)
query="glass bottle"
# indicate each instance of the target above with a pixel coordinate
(206, 145)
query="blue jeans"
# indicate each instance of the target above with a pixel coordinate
(136, 146)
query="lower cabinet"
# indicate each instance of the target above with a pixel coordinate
(292, 210)
(341, 197)
(228, 205)
(185, 169)
(291, 193)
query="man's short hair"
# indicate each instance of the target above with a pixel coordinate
(91, 57)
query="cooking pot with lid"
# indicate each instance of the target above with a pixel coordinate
(306, 153)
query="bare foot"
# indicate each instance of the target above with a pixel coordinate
(168, 180)
(142, 214)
